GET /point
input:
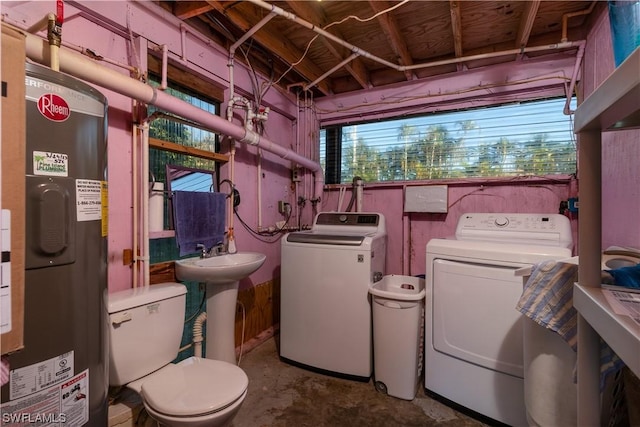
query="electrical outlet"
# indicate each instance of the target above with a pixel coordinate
(295, 175)
(281, 206)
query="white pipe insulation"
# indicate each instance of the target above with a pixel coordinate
(76, 65)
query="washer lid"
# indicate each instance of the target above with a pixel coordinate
(194, 386)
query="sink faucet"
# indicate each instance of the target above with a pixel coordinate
(214, 251)
(218, 250)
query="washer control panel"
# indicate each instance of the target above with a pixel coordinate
(347, 218)
(352, 223)
(514, 227)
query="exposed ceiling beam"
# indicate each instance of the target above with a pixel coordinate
(526, 22)
(310, 12)
(271, 41)
(456, 26)
(189, 9)
(393, 34)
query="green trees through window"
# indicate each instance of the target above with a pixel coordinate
(523, 139)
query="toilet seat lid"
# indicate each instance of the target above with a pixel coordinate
(195, 386)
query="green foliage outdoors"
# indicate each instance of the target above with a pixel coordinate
(437, 153)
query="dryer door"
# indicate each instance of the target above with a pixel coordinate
(474, 315)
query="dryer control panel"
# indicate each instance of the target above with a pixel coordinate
(553, 229)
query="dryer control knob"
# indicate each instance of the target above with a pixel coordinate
(502, 221)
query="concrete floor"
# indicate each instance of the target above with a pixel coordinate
(284, 395)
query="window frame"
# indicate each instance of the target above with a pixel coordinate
(335, 130)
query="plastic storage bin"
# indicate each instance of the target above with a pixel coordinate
(624, 18)
(398, 331)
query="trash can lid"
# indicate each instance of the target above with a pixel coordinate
(403, 288)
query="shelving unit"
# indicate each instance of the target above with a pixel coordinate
(614, 105)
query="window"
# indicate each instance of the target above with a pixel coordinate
(178, 132)
(182, 133)
(523, 139)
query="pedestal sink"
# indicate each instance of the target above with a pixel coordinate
(221, 274)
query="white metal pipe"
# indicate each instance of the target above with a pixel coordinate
(85, 69)
(296, 187)
(259, 186)
(232, 51)
(359, 190)
(42, 23)
(397, 67)
(566, 16)
(134, 198)
(507, 52)
(331, 71)
(322, 32)
(252, 31)
(165, 55)
(574, 78)
(144, 181)
(55, 61)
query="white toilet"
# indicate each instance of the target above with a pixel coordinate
(145, 330)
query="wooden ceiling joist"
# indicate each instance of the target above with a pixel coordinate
(310, 13)
(281, 47)
(392, 32)
(526, 23)
(189, 9)
(456, 27)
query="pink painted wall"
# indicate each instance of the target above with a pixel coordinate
(620, 150)
(409, 233)
(102, 26)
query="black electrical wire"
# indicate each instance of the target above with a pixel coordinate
(260, 235)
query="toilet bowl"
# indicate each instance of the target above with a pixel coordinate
(145, 327)
(194, 392)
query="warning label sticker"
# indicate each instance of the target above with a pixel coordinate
(36, 377)
(88, 200)
(65, 404)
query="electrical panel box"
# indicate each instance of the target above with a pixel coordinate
(428, 198)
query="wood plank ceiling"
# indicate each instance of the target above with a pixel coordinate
(331, 47)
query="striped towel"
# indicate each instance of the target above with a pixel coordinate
(547, 299)
(4, 370)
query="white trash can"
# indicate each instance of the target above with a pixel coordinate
(398, 334)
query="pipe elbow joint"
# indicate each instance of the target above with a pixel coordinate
(250, 137)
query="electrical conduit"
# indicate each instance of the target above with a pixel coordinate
(83, 68)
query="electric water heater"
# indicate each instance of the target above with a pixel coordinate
(60, 377)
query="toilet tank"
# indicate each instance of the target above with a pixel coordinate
(145, 330)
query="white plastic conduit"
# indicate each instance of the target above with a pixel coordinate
(85, 69)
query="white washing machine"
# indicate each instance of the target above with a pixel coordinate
(473, 332)
(325, 311)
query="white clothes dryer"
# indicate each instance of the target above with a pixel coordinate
(325, 310)
(473, 332)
